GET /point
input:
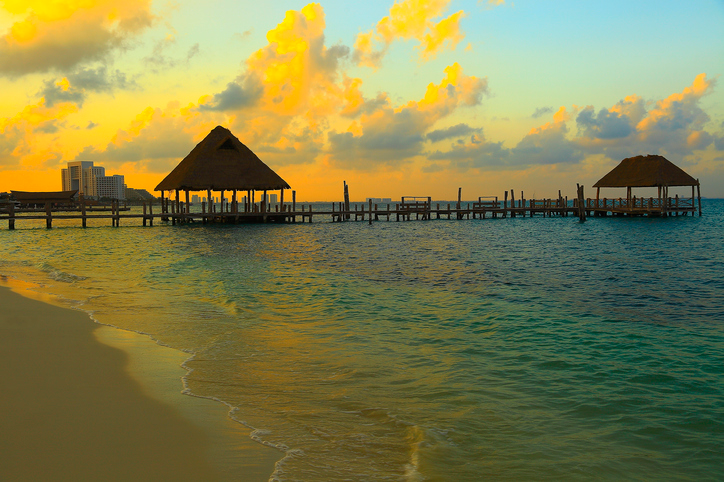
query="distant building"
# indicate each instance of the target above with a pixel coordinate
(77, 177)
(111, 187)
(91, 181)
(379, 200)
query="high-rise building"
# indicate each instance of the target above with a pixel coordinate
(91, 181)
(78, 177)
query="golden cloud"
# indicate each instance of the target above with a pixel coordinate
(411, 19)
(64, 33)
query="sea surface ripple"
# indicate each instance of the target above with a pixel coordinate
(508, 349)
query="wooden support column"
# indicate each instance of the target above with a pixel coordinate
(11, 216)
(581, 206)
(144, 214)
(628, 197)
(698, 191)
(164, 207)
(48, 216)
(150, 213)
(505, 204)
(294, 201)
(598, 194)
(370, 213)
(83, 214)
(281, 199)
(512, 203)
(346, 200)
(187, 211)
(265, 203)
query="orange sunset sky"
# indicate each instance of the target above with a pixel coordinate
(405, 97)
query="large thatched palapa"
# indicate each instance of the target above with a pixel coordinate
(221, 162)
(648, 171)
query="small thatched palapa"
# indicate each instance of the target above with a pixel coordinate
(646, 171)
(221, 162)
(649, 171)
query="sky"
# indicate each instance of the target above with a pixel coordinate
(395, 97)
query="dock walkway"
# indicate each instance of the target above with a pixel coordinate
(177, 212)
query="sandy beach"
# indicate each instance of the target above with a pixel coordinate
(71, 409)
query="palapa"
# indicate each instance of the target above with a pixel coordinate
(646, 171)
(221, 162)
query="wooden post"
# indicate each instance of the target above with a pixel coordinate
(11, 216)
(581, 207)
(150, 213)
(698, 191)
(265, 203)
(370, 213)
(512, 203)
(144, 214)
(505, 204)
(83, 214)
(346, 200)
(281, 200)
(164, 207)
(294, 201)
(48, 216)
(187, 211)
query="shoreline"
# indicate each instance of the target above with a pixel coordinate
(87, 401)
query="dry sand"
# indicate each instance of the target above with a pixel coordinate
(70, 409)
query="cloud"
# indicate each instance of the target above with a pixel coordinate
(244, 92)
(288, 91)
(155, 141)
(61, 35)
(77, 84)
(25, 137)
(407, 20)
(455, 131)
(159, 60)
(389, 134)
(674, 126)
(541, 111)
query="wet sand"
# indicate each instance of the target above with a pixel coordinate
(70, 409)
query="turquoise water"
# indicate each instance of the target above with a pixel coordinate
(526, 348)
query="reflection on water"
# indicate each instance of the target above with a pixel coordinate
(442, 350)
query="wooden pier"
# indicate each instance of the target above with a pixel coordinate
(409, 208)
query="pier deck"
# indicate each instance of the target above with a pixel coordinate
(408, 209)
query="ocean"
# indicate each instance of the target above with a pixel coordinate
(442, 350)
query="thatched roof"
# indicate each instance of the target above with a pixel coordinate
(646, 171)
(30, 197)
(222, 162)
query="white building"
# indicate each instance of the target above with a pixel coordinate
(110, 187)
(91, 181)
